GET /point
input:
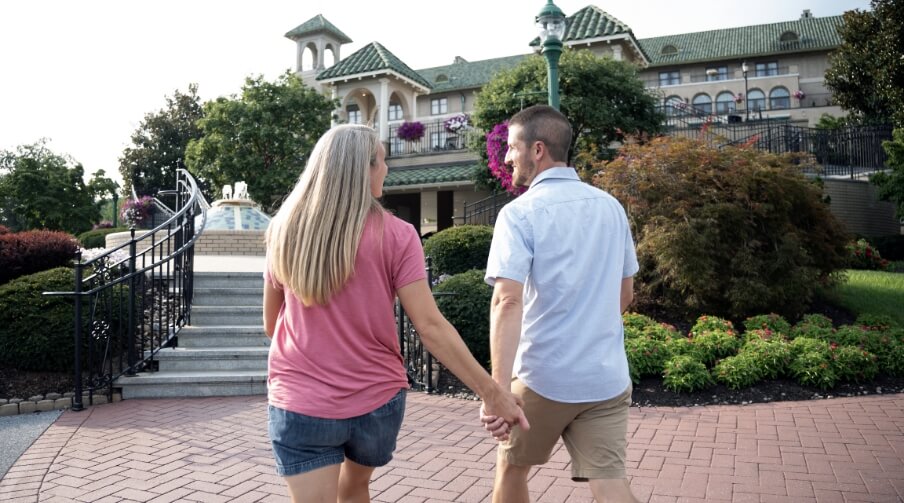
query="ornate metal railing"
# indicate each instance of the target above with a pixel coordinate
(423, 370)
(132, 300)
(436, 140)
(484, 212)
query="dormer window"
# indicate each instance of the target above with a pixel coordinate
(669, 50)
(442, 78)
(789, 36)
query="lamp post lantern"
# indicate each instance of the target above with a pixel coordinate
(746, 95)
(551, 24)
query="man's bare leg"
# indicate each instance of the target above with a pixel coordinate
(511, 482)
(612, 491)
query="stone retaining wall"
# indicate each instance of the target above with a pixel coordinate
(48, 402)
(211, 242)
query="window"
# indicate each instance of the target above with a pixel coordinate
(438, 106)
(779, 98)
(396, 145)
(438, 140)
(674, 105)
(756, 100)
(354, 114)
(725, 103)
(717, 73)
(442, 78)
(395, 112)
(669, 50)
(767, 69)
(703, 103)
(669, 78)
(789, 40)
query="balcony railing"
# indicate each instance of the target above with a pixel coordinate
(436, 140)
(704, 78)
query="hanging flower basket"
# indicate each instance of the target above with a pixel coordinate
(739, 98)
(457, 123)
(136, 212)
(799, 94)
(410, 131)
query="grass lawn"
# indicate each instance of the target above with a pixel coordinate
(873, 292)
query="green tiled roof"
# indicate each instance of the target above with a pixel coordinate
(317, 24)
(466, 75)
(592, 22)
(748, 41)
(428, 174)
(373, 57)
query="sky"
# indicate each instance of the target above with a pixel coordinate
(84, 73)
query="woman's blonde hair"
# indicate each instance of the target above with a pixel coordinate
(313, 239)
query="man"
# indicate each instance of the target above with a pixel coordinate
(561, 265)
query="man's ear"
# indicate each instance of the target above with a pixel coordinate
(539, 148)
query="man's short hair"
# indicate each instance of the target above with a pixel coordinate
(546, 124)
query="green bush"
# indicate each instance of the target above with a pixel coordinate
(727, 231)
(707, 323)
(772, 322)
(459, 249)
(849, 335)
(763, 334)
(813, 326)
(861, 255)
(814, 368)
(685, 374)
(870, 321)
(715, 344)
(771, 356)
(803, 345)
(679, 345)
(891, 359)
(97, 238)
(646, 357)
(739, 371)
(637, 321)
(662, 332)
(464, 299)
(854, 364)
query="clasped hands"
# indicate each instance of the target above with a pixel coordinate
(500, 422)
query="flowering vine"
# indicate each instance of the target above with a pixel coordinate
(497, 147)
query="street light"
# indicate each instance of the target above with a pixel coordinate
(746, 95)
(551, 23)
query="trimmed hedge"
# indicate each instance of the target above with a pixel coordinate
(29, 252)
(459, 249)
(97, 238)
(465, 301)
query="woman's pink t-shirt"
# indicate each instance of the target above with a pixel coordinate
(343, 360)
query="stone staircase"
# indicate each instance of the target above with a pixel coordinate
(222, 353)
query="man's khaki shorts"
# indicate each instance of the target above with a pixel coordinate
(595, 434)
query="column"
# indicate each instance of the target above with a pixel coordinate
(384, 110)
(334, 93)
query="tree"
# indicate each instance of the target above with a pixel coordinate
(158, 145)
(602, 98)
(43, 190)
(262, 137)
(891, 184)
(866, 75)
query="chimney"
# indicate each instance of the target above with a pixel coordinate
(459, 59)
(806, 14)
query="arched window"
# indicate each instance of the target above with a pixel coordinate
(442, 78)
(674, 105)
(395, 110)
(725, 103)
(703, 103)
(669, 50)
(756, 100)
(779, 98)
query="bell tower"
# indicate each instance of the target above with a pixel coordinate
(315, 38)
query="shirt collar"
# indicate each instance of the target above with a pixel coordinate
(567, 173)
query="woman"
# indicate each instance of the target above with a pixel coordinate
(336, 383)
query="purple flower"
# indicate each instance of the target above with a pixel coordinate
(410, 131)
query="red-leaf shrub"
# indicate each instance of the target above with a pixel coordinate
(29, 252)
(4, 230)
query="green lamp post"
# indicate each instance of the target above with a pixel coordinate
(551, 23)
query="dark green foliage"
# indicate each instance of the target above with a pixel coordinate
(814, 326)
(891, 183)
(849, 335)
(685, 374)
(814, 368)
(636, 321)
(875, 322)
(679, 346)
(762, 334)
(891, 358)
(715, 344)
(459, 249)
(465, 301)
(706, 323)
(852, 364)
(97, 238)
(263, 137)
(29, 252)
(803, 345)
(773, 322)
(728, 231)
(646, 356)
(772, 356)
(739, 371)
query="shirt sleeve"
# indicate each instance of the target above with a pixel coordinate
(268, 276)
(512, 250)
(408, 260)
(630, 264)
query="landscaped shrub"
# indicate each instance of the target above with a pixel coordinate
(685, 374)
(812, 326)
(715, 344)
(28, 252)
(646, 357)
(771, 356)
(849, 335)
(637, 321)
(708, 323)
(97, 238)
(465, 301)
(680, 345)
(891, 358)
(772, 322)
(763, 334)
(803, 345)
(4, 230)
(739, 371)
(727, 231)
(871, 321)
(861, 255)
(661, 331)
(854, 364)
(814, 368)
(459, 249)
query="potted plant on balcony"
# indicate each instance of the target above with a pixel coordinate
(457, 123)
(410, 131)
(799, 94)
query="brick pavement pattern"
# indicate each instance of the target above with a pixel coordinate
(216, 449)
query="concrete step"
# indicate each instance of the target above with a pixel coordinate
(228, 297)
(173, 383)
(227, 315)
(205, 359)
(228, 280)
(223, 336)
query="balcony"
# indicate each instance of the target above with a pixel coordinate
(436, 140)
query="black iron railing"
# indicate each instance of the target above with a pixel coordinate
(422, 369)
(132, 300)
(436, 140)
(484, 212)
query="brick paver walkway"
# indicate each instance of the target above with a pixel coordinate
(216, 449)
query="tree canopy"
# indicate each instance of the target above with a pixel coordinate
(867, 71)
(40, 189)
(603, 99)
(262, 137)
(158, 145)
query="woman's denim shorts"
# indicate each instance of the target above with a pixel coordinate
(304, 443)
